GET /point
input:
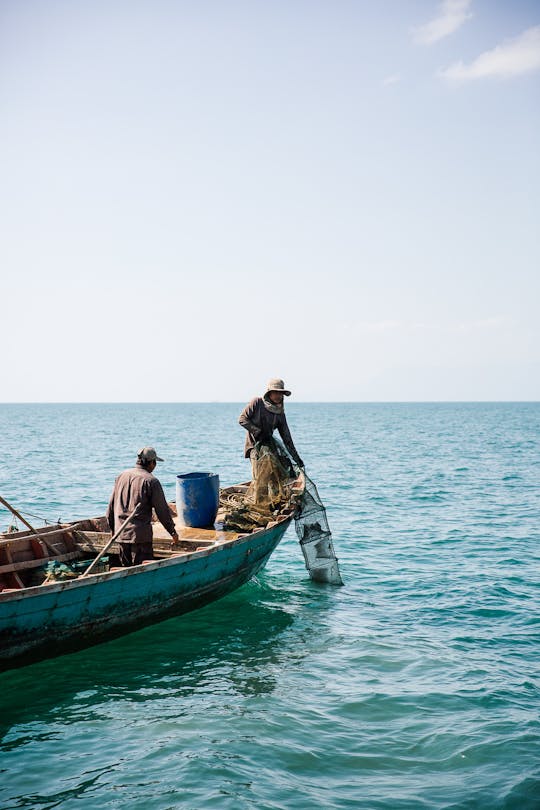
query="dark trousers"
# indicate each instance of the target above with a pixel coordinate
(135, 553)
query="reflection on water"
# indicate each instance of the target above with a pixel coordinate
(229, 647)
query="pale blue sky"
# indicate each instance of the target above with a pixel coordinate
(196, 196)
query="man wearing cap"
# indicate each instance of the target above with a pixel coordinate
(138, 486)
(263, 415)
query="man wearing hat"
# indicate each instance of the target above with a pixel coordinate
(263, 415)
(138, 486)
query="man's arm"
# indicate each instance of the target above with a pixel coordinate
(161, 507)
(246, 418)
(110, 513)
(285, 434)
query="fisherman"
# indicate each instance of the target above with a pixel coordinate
(262, 416)
(139, 486)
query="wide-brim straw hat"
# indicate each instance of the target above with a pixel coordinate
(277, 385)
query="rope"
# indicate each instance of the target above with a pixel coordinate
(14, 523)
(38, 517)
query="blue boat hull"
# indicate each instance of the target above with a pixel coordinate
(45, 621)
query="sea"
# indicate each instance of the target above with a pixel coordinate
(415, 685)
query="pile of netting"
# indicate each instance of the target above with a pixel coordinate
(268, 495)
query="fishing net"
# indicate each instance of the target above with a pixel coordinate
(315, 537)
(55, 571)
(268, 494)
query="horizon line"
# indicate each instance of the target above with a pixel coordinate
(293, 402)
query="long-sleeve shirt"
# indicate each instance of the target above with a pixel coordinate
(132, 487)
(260, 423)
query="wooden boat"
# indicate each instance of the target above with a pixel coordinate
(42, 616)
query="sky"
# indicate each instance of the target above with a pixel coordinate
(199, 195)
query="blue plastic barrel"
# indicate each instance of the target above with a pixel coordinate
(197, 499)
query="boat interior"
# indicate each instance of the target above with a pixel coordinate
(58, 553)
(65, 551)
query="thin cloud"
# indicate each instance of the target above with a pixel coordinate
(452, 15)
(489, 324)
(376, 326)
(511, 58)
(394, 79)
(482, 324)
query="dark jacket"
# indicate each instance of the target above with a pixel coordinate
(260, 423)
(133, 487)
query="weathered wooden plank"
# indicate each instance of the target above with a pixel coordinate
(28, 564)
(187, 533)
(99, 537)
(7, 540)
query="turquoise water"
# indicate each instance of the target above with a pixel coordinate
(414, 686)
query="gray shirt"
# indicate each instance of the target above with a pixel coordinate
(132, 487)
(260, 423)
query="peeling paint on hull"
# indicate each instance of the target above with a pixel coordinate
(45, 621)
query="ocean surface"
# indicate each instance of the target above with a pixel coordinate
(416, 685)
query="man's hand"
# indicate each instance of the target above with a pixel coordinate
(175, 539)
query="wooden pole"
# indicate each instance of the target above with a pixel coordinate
(17, 515)
(109, 544)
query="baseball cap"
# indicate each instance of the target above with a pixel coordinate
(148, 454)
